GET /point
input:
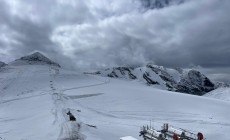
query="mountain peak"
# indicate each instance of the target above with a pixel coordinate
(38, 54)
(35, 58)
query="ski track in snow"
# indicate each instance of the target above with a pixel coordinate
(84, 95)
(69, 130)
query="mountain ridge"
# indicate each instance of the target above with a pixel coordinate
(180, 80)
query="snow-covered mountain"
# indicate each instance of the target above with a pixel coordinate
(35, 100)
(180, 80)
(35, 58)
(2, 64)
(157, 4)
(195, 82)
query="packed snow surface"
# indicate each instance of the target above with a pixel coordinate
(35, 99)
(128, 138)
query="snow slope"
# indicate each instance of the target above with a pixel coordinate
(35, 99)
(222, 93)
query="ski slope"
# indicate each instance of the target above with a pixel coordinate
(35, 99)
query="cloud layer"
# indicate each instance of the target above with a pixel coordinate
(92, 34)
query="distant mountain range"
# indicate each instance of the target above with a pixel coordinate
(180, 80)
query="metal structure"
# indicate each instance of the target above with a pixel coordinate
(169, 133)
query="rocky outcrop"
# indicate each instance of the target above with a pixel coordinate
(148, 79)
(195, 83)
(169, 81)
(118, 72)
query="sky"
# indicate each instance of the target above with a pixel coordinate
(87, 34)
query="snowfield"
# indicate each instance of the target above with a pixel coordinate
(35, 99)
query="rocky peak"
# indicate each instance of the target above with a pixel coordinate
(35, 58)
(195, 82)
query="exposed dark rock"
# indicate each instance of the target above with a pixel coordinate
(148, 80)
(125, 71)
(113, 74)
(36, 58)
(170, 82)
(195, 83)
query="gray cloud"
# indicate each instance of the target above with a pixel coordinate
(106, 33)
(27, 25)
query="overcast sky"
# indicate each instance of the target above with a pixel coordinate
(104, 33)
